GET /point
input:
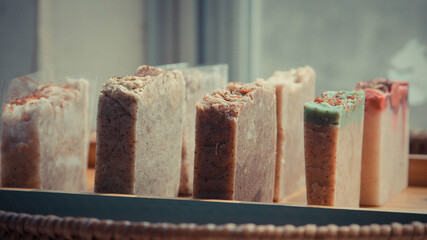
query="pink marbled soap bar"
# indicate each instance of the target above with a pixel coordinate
(385, 141)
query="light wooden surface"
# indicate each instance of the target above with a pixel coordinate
(412, 199)
(418, 170)
(92, 150)
(90, 179)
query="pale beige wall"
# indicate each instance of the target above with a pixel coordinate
(349, 41)
(17, 38)
(102, 37)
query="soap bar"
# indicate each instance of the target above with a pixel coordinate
(236, 143)
(45, 138)
(139, 134)
(198, 81)
(333, 131)
(293, 89)
(385, 155)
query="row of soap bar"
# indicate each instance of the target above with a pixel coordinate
(357, 145)
(248, 139)
(123, 159)
(45, 125)
(146, 131)
(353, 154)
(150, 167)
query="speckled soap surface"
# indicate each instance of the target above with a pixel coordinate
(198, 81)
(140, 134)
(385, 140)
(236, 143)
(293, 89)
(45, 138)
(333, 130)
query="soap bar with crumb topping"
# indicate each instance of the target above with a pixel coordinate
(333, 131)
(198, 81)
(139, 134)
(236, 143)
(45, 138)
(385, 141)
(293, 89)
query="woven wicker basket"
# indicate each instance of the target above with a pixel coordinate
(25, 226)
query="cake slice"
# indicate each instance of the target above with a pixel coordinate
(198, 81)
(293, 89)
(385, 141)
(139, 134)
(236, 143)
(45, 138)
(333, 131)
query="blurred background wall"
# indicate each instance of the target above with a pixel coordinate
(18, 38)
(349, 41)
(344, 41)
(101, 37)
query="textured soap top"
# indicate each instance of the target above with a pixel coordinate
(380, 84)
(137, 83)
(54, 94)
(380, 92)
(144, 71)
(231, 98)
(331, 106)
(126, 84)
(293, 76)
(133, 84)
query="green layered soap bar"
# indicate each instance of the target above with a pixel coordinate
(333, 132)
(329, 108)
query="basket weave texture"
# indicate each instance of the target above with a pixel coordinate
(26, 226)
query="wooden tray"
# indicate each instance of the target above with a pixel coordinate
(88, 216)
(32, 213)
(412, 199)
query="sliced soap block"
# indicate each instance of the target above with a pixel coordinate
(139, 134)
(45, 138)
(236, 143)
(333, 131)
(198, 81)
(293, 89)
(385, 141)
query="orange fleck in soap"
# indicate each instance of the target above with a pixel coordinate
(45, 138)
(333, 130)
(236, 144)
(139, 134)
